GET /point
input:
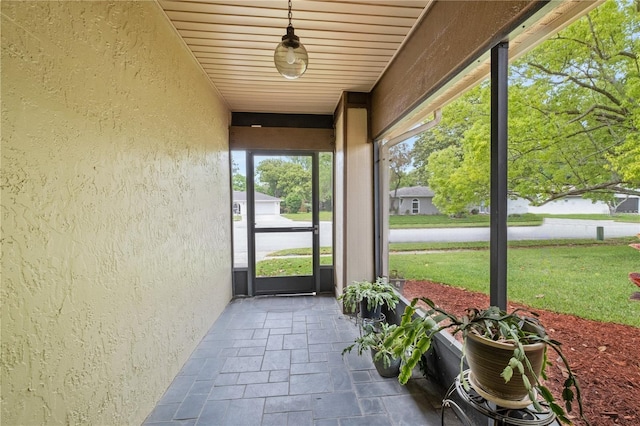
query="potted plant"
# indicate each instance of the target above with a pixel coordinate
(397, 279)
(372, 340)
(514, 343)
(367, 297)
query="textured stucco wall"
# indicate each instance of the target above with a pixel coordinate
(115, 210)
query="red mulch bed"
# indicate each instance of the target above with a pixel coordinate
(604, 357)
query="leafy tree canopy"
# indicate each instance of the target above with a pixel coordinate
(239, 182)
(278, 178)
(291, 177)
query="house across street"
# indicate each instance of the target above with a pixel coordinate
(265, 204)
(419, 200)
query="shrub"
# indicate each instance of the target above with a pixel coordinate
(293, 203)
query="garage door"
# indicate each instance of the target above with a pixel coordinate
(265, 208)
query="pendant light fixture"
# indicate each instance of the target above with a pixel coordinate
(291, 57)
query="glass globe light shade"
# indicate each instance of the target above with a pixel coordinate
(290, 57)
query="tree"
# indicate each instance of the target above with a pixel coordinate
(325, 177)
(456, 120)
(280, 178)
(584, 81)
(574, 116)
(399, 163)
(238, 180)
(268, 174)
(412, 178)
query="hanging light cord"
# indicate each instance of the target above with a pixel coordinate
(289, 12)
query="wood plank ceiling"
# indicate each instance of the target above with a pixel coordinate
(350, 43)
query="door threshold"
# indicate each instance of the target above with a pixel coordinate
(313, 293)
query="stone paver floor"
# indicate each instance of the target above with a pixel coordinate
(277, 361)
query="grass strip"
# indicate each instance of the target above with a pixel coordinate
(288, 266)
(484, 245)
(306, 251)
(618, 217)
(470, 245)
(306, 217)
(444, 221)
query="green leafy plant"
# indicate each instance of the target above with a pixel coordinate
(412, 338)
(373, 339)
(376, 294)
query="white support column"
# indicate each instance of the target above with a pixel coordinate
(354, 251)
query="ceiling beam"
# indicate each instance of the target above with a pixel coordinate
(450, 36)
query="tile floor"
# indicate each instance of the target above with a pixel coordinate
(277, 361)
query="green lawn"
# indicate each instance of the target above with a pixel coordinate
(304, 251)
(470, 245)
(470, 221)
(480, 245)
(587, 278)
(590, 282)
(306, 217)
(622, 217)
(288, 266)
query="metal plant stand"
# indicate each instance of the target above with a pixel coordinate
(528, 416)
(369, 325)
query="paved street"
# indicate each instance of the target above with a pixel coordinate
(550, 229)
(268, 243)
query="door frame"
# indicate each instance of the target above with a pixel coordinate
(288, 284)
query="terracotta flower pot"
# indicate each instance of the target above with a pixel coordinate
(487, 359)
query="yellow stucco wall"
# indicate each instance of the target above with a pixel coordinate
(115, 210)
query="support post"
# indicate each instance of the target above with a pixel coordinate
(377, 211)
(315, 213)
(498, 239)
(251, 225)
